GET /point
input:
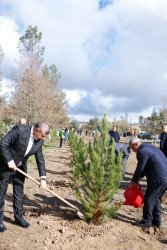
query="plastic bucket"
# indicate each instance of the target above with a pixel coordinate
(134, 196)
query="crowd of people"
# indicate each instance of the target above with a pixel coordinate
(24, 140)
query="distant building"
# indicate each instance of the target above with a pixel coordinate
(143, 121)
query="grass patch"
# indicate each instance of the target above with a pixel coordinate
(31, 160)
(49, 146)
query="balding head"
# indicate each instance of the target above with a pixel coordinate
(22, 121)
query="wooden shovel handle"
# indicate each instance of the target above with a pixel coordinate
(50, 191)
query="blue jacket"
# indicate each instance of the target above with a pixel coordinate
(152, 163)
(115, 135)
(126, 151)
(163, 143)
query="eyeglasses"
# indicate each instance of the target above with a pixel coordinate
(133, 146)
(43, 135)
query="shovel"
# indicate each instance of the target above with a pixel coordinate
(80, 215)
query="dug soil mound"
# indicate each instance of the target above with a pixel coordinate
(54, 225)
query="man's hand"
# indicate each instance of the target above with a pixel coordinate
(12, 165)
(42, 184)
(132, 184)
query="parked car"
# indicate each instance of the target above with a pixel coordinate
(127, 134)
(152, 136)
(142, 135)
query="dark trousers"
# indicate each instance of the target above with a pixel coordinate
(152, 203)
(124, 161)
(18, 184)
(61, 142)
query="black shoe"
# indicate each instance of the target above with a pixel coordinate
(157, 224)
(2, 228)
(143, 224)
(22, 223)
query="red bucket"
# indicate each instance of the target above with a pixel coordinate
(134, 196)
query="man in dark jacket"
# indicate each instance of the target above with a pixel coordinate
(114, 134)
(16, 147)
(126, 152)
(153, 164)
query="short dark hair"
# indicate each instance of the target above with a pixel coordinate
(43, 126)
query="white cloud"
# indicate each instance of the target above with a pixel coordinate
(9, 37)
(74, 96)
(164, 76)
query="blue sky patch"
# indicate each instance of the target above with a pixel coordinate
(104, 3)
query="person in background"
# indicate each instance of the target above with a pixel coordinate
(62, 136)
(114, 134)
(86, 132)
(80, 131)
(126, 152)
(152, 163)
(66, 129)
(68, 134)
(163, 140)
(15, 148)
(22, 121)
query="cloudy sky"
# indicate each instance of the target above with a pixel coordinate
(112, 54)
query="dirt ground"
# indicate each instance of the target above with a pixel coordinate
(54, 225)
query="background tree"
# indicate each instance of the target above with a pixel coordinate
(37, 95)
(163, 109)
(59, 103)
(92, 124)
(75, 124)
(156, 120)
(29, 45)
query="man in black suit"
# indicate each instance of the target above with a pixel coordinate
(152, 163)
(16, 147)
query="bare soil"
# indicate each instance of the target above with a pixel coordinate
(54, 225)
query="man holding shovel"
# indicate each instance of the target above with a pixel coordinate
(152, 163)
(16, 147)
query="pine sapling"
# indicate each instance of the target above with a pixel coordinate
(96, 175)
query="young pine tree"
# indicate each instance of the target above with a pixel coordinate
(96, 175)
